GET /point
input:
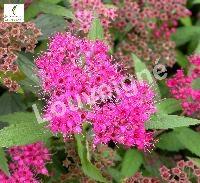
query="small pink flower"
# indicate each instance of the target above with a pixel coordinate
(26, 162)
(86, 10)
(181, 87)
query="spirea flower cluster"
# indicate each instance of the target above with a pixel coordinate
(147, 26)
(26, 163)
(181, 87)
(15, 37)
(86, 10)
(183, 172)
(84, 85)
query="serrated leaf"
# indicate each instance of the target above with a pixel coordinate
(3, 162)
(165, 121)
(197, 50)
(11, 102)
(195, 2)
(181, 59)
(186, 21)
(44, 7)
(50, 24)
(168, 141)
(131, 163)
(143, 74)
(88, 168)
(19, 117)
(28, 68)
(192, 45)
(141, 70)
(96, 30)
(169, 106)
(164, 90)
(22, 134)
(185, 34)
(190, 139)
(29, 85)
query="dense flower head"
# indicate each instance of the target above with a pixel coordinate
(148, 25)
(73, 65)
(26, 163)
(123, 121)
(33, 155)
(82, 82)
(181, 87)
(71, 70)
(86, 10)
(20, 174)
(14, 38)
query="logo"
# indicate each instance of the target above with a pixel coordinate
(13, 12)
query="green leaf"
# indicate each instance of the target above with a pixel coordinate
(169, 106)
(22, 134)
(196, 2)
(96, 30)
(197, 50)
(181, 59)
(168, 141)
(88, 168)
(31, 12)
(116, 174)
(143, 74)
(141, 70)
(131, 162)
(190, 139)
(11, 102)
(185, 34)
(28, 68)
(3, 162)
(164, 90)
(52, 1)
(50, 24)
(196, 84)
(165, 121)
(29, 85)
(153, 161)
(19, 117)
(186, 21)
(44, 7)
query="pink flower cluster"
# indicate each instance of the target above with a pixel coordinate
(147, 26)
(123, 121)
(75, 70)
(86, 10)
(156, 15)
(26, 162)
(181, 87)
(183, 172)
(180, 172)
